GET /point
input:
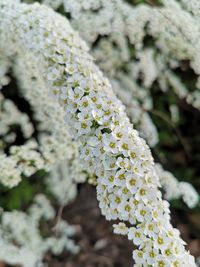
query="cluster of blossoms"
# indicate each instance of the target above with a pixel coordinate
(113, 24)
(31, 246)
(63, 179)
(175, 189)
(102, 22)
(112, 53)
(10, 116)
(117, 35)
(54, 151)
(51, 146)
(127, 183)
(27, 159)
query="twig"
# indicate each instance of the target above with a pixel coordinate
(58, 219)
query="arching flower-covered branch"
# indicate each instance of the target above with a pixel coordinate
(127, 184)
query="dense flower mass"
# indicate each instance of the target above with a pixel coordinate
(127, 183)
(31, 246)
(174, 189)
(139, 52)
(166, 25)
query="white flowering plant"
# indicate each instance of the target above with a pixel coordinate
(75, 129)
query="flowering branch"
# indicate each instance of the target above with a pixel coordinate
(109, 146)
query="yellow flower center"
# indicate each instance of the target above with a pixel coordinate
(102, 150)
(155, 214)
(117, 200)
(85, 104)
(167, 252)
(160, 241)
(161, 264)
(111, 178)
(137, 234)
(121, 176)
(132, 182)
(116, 122)
(119, 135)
(133, 155)
(87, 152)
(83, 125)
(127, 208)
(125, 146)
(107, 112)
(150, 227)
(175, 264)
(152, 254)
(122, 164)
(143, 212)
(140, 254)
(112, 145)
(125, 190)
(94, 99)
(98, 106)
(76, 96)
(142, 192)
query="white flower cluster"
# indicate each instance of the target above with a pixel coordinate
(11, 116)
(118, 32)
(189, 194)
(27, 158)
(109, 146)
(4, 79)
(63, 178)
(53, 151)
(21, 241)
(175, 189)
(23, 160)
(10, 175)
(112, 53)
(104, 21)
(139, 117)
(49, 150)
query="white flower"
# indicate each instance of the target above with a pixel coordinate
(110, 144)
(123, 163)
(124, 209)
(108, 179)
(109, 163)
(142, 213)
(120, 228)
(115, 200)
(151, 255)
(75, 94)
(136, 235)
(151, 229)
(124, 146)
(138, 256)
(133, 182)
(120, 178)
(83, 127)
(161, 242)
(161, 261)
